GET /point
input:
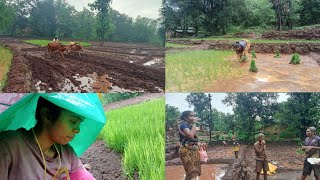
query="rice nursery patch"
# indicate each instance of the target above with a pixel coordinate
(188, 71)
(42, 42)
(137, 131)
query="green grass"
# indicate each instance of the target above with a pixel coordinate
(5, 63)
(176, 45)
(137, 131)
(251, 40)
(42, 42)
(192, 71)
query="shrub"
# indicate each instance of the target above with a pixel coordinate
(253, 67)
(295, 59)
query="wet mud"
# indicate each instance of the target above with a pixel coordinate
(114, 67)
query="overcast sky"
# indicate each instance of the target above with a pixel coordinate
(132, 8)
(179, 100)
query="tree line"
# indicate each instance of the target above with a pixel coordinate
(219, 17)
(50, 18)
(253, 112)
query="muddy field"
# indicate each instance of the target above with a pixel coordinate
(274, 74)
(115, 67)
(222, 161)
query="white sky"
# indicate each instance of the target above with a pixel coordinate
(178, 100)
(132, 8)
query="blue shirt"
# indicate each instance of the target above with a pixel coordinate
(183, 126)
(243, 44)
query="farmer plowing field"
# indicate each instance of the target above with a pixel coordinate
(44, 134)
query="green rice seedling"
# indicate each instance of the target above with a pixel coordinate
(295, 59)
(253, 67)
(244, 58)
(199, 68)
(5, 63)
(253, 53)
(277, 54)
(137, 131)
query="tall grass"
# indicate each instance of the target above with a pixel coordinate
(5, 63)
(42, 42)
(137, 131)
(192, 71)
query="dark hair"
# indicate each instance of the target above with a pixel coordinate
(185, 114)
(54, 112)
(236, 45)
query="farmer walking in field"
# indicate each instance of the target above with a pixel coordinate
(236, 146)
(312, 150)
(261, 157)
(189, 143)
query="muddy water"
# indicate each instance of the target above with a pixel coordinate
(274, 75)
(208, 172)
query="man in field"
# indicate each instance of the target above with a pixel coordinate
(55, 39)
(261, 157)
(242, 48)
(312, 150)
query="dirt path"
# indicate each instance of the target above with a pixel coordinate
(131, 101)
(274, 75)
(105, 163)
(127, 67)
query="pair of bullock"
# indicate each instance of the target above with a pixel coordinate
(56, 46)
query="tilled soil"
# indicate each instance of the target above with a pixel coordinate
(105, 163)
(129, 68)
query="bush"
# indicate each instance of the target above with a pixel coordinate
(295, 59)
(253, 53)
(277, 54)
(253, 67)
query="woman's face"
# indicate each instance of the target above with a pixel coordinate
(191, 118)
(65, 128)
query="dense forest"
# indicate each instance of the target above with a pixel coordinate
(253, 112)
(220, 17)
(49, 18)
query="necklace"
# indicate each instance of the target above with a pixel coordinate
(43, 160)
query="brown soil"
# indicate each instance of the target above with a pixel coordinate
(105, 163)
(128, 67)
(274, 75)
(131, 101)
(289, 163)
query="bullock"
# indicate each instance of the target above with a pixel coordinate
(75, 47)
(53, 46)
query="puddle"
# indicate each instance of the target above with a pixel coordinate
(208, 172)
(116, 89)
(154, 61)
(90, 83)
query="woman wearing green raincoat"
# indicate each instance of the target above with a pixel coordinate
(43, 152)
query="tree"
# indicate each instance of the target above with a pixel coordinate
(310, 12)
(85, 25)
(103, 23)
(172, 114)
(7, 16)
(249, 107)
(65, 16)
(43, 18)
(201, 104)
(300, 112)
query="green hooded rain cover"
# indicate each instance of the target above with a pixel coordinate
(22, 115)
